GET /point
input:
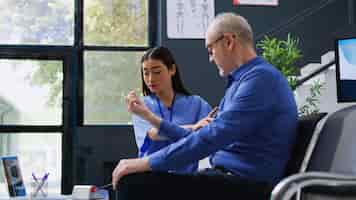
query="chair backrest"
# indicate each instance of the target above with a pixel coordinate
(335, 148)
(305, 131)
(334, 152)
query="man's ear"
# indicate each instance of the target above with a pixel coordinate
(231, 42)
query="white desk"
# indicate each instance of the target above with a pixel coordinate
(49, 197)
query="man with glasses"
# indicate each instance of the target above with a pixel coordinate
(249, 141)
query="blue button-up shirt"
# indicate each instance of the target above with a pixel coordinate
(185, 110)
(252, 134)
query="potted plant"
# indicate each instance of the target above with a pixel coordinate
(283, 54)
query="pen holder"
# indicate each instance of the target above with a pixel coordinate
(39, 188)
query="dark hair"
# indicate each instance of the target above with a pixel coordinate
(165, 56)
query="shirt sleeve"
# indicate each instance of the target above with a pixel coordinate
(141, 127)
(204, 110)
(241, 117)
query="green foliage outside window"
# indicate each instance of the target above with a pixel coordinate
(124, 22)
(37, 22)
(108, 75)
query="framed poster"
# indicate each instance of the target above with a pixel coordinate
(189, 18)
(256, 2)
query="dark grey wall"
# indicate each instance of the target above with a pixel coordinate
(315, 22)
(99, 148)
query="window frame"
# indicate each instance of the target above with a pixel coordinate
(79, 42)
(57, 53)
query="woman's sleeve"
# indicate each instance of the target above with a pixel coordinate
(205, 108)
(141, 127)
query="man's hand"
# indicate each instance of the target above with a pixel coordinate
(129, 166)
(201, 123)
(205, 121)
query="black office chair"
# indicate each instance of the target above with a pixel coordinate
(331, 172)
(305, 132)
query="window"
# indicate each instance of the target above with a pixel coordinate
(26, 100)
(37, 22)
(29, 96)
(109, 73)
(38, 153)
(116, 23)
(64, 64)
(31, 113)
(109, 76)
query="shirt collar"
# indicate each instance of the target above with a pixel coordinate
(238, 72)
(177, 95)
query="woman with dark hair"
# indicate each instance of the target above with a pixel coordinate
(165, 95)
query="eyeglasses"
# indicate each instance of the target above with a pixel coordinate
(210, 46)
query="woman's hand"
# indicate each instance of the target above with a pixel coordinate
(129, 166)
(135, 105)
(153, 135)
